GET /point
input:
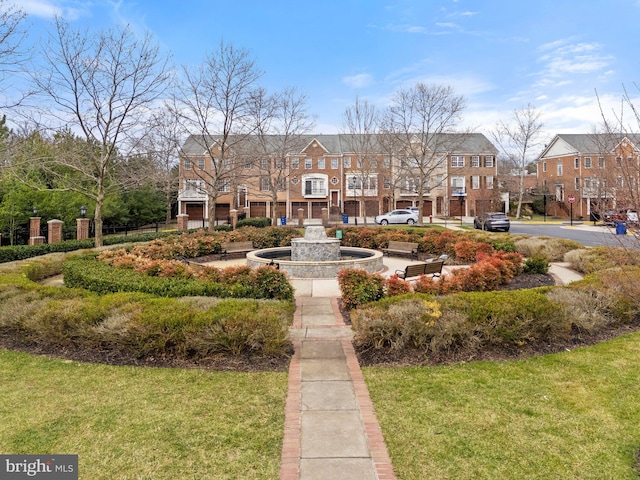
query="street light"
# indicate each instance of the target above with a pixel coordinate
(83, 211)
(35, 210)
(355, 200)
(461, 199)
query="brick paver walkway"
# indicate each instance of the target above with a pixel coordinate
(331, 430)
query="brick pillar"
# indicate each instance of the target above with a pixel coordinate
(183, 222)
(325, 216)
(82, 228)
(234, 217)
(34, 231)
(34, 227)
(54, 228)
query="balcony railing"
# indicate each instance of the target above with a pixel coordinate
(458, 191)
(358, 192)
(191, 194)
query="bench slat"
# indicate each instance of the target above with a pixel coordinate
(415, 270)
(236, 247)
(402, 248)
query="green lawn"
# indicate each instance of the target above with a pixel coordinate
(143, 423)
(574, 415)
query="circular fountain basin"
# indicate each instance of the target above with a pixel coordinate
(350, 257)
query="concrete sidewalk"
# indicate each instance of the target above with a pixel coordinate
(331, 431)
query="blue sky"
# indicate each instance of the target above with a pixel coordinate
(500, 54)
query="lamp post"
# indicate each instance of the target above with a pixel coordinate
(355, 200)
(35, 210)
(461, 200)
(83, 211)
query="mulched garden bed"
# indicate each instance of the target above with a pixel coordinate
(240, 363)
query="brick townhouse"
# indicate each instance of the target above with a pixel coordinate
(325, 171)
(598, 171)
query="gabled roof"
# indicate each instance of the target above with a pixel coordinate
(340, 144)
(586, 144)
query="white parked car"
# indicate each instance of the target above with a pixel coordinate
(398, 216)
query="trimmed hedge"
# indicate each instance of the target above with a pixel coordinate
(87, 272)
(21, 252)
(142, 326)
(258, 222)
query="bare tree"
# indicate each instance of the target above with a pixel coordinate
(100, 85)
(215, 102)
(281, 121)
(161, 144)
(518, 139)
(417, 128)
(359, 124)
(12, 34)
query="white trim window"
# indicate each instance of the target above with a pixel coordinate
(321, 163)
(346, 162)
(488, 182)
(457, 185)
(587, 162)
(308, 164)
(559, 168)
(224, 185)
(187, 164)
(334, 164)
(295, 163)
(488, 161)
(264, 164)
(315, 187)
(457, 161)
(264, 184)
(475, 182)
(576, 162)
(201, 163)
(193, 186)
(475, 161)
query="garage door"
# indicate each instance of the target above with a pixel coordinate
(195, 211)
(351, 208)
(258, 209)
(316, 209)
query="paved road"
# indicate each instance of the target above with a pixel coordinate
(585, 234)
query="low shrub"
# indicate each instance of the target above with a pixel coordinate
(466, 250)
(358, 287)
(258, 222)
(140, 325)
(239, 282)
(537, 264)
(601, 258)
(394, 285)
(21, 252)
(506, 319)
(553, 248)
(405, 323)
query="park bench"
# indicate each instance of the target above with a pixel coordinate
(402, 248)
(231, 248)
(415, 270)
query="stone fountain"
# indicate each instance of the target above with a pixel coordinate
(316, 256)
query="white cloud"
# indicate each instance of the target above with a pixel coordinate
(49, 8)
(563, 59)
(360, 80)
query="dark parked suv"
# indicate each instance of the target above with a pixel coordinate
(492, 221)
